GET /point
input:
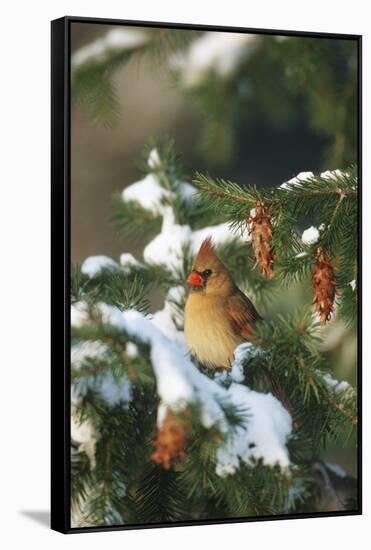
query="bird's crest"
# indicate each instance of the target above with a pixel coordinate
(206, 257)
(207, 248)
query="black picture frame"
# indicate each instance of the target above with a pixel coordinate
(60, 271)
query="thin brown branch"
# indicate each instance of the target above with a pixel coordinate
(340, 408)
(227, 194)
(342, 196)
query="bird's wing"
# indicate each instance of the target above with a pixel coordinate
(242, 313)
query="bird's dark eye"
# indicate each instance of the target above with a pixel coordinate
(206, 273)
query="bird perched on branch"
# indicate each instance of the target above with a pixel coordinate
(217, 314)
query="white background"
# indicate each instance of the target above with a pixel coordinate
(24, 303)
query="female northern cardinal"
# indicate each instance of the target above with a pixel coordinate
(217, 313)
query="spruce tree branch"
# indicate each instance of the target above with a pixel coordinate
(340, 408)
(326, 395)
(293, 369)
(228, 195)
(224, 194)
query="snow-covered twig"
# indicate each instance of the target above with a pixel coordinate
(265, 425)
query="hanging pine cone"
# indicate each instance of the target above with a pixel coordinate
(323, 282)
(170, 441)
(261, 238)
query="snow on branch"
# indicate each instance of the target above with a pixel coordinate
(296, 181)
(265, 424)
(86, 357)
(151, 193)
(263, 436)
(116, 40)
(340, 395)
(219, 52)
(310, 235)
(167, 248)
(303, 177)
(95, 264)
(338, 387)
(85, 435)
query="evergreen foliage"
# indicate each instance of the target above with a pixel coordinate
(315, 83)
(92, 74)
(119, 395)
(329, 201)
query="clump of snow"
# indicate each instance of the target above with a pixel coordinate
(219, 52)
(127, 261)
(85, 435)
(336, 469)
(165, 320)
(83, 351)
(237, 373)
(296, 181)
(132, 350)
(167, 247)
(114, 391)
(301, 255)
(171, 311)
(154, 160)
(242, 353)
(110, 389)
(151, 195)
(79, 314)
(310, 235)
(114, 41)
(266, 426)
(176, 294)
(263, 435)
(93, 265)
(335, 385)
(333, 174)
(302, 176)
(173, 370)
(148, 192)
(353, 284)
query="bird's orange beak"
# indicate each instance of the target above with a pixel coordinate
(195, 279)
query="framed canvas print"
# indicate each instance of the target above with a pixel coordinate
(205, 274)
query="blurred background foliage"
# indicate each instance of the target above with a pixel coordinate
(255, 109)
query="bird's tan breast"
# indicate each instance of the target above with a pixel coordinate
(208, 331)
